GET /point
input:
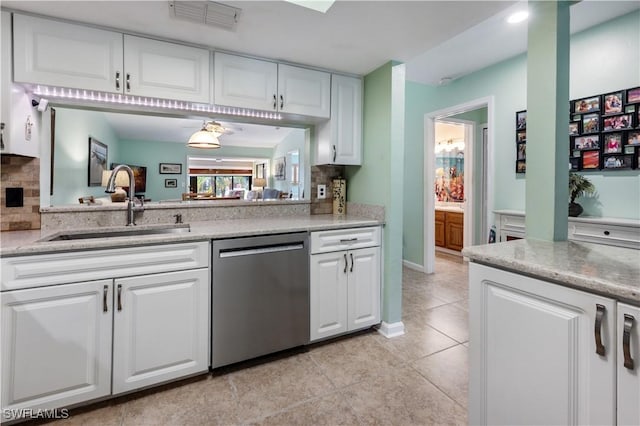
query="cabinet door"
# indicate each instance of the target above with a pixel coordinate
(440, 229)
(628, 379)
(161, 328)
(244, 82)
(533, 353)
(56, 345)
(363, 300)
(303, 91)
(166, 70)
(60, 54)
(346, 119)
(328, 294)
(454, 232)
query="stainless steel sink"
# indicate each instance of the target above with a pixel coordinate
(120, 232)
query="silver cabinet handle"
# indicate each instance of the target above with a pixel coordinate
(600, 310)
(334, 154)
(275, 102)
(345, 263)
(348, 240)
(105, 292)
(128, 82)
(117, 80)
(281, 102)
(626, 341)
(119, 297)
(351, 254)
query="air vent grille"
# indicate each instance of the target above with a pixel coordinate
(206, 12)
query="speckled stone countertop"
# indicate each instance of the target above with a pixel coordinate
(596, 268)
(27, 242)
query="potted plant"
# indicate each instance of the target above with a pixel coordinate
(578, 186)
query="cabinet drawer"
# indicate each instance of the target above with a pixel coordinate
(513, 224)
(344, 239)
(621, 236)
(457, 218)
(59, 268)
(440, 216)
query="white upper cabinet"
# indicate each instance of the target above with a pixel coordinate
(255, 84)
(166, 70)
(60, 54)
(244, 82)
(303, 91)
(340, 139)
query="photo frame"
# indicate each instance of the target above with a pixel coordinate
(98, 156)
(521, 166)
(590, 160)
(577, 153)
(575, 164)
(613, 103)
(522, 151)
(618, 162)
(629, 149)
(171, 183)
(612, 143)
(633, 138)
(139, 176)
(260, 174)
(279, 167)
(521, 120)
(586, 142)
(521, 136)
(617, 122)
(633, 96)
(574, 128)
(630, 109)
(170, 168)
(590, 123)
(589, 104)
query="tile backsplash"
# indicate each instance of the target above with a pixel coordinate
(20, 172)
(323, 175)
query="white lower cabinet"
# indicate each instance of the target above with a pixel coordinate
(345, 290)
(542, 353)
(56, 345)
(160, 328)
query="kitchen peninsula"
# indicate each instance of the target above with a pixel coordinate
(553, 333)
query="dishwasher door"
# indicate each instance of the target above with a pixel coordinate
(260, 296)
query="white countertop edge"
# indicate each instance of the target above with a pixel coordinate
(585, 219)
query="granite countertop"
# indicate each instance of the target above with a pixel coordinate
(596, 268)
(15, 243)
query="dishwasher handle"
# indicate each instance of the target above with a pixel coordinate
(251, 251)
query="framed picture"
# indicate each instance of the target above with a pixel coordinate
(590, 160)
(630, 109)
(586, 142)
(617, 122)
(260, 171)
(521, 136)
(633, 138)
(521, 166)
(171, 183)
(590, 123)
(521, 120)
(279, 168)
(577, 153)
(613, 143)
(629, 149)
(574, 128)
(575, 164)
(522, 151)
(618, 161)
(638, 119)
(586, 105)
(97, 161)
(139, 177)
(170, 168)
(613, 103)
(633, 96)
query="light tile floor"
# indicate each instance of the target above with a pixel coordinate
(419, 378)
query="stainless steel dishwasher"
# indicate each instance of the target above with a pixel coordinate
(260, 296)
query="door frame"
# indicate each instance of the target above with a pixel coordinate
(429, 176)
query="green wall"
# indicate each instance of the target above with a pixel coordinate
(379, 179)
(604, 58)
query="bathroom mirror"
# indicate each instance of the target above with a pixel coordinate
(158, 144)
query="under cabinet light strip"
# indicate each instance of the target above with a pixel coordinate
(112, 98)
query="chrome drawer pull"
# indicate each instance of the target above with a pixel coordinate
(119, 297)
(600, 310)
(348, 240)
(105, 292)
(626, 341)
(351, 254)
(345, 263)
(117, 80)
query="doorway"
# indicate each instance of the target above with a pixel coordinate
(477, 177)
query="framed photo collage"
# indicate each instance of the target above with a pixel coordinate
(604, 132)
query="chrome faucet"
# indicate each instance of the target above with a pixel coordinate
(111, 188)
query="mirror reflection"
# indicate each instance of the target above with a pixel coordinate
(254, 162)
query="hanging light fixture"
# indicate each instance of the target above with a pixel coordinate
(207, 137)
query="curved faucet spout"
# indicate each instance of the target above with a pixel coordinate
(111, 188)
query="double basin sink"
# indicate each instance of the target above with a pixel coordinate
(130, 231)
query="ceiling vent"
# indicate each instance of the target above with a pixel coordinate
(206, 12)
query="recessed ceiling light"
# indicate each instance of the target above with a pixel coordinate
(518, 17)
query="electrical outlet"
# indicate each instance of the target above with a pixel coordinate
(322, 192)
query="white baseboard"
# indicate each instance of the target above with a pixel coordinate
(413, 266)
(449, 251)
(391, 330)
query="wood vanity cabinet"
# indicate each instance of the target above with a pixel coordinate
(78, 326)
(542, 353)
(449, 229)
